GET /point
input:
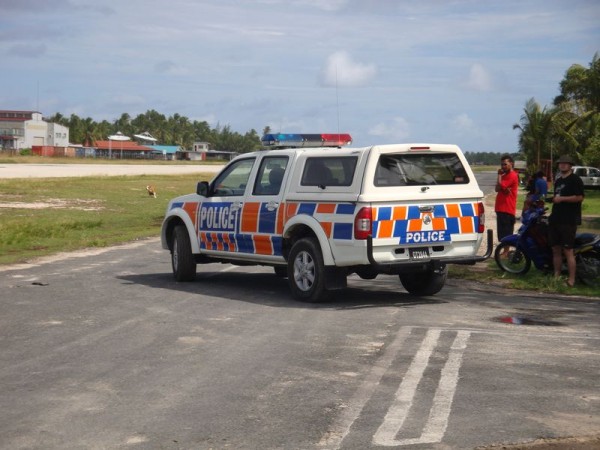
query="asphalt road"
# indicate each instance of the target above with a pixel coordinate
(102, 349)
(105, 350)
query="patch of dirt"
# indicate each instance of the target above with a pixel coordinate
(570, 443)
(83, 205)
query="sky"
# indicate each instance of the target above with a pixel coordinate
(385, 71)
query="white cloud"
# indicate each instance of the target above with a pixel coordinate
(397, 130)
(341, 70)
(462, 122)
(479, 79)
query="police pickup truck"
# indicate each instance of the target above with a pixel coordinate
(317, 211)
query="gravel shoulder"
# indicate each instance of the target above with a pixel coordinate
(85, 170)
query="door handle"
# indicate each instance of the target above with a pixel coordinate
(272, 206)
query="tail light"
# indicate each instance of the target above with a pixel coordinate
(363, 223)
(481, 217)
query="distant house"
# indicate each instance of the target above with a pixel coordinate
(122, 150)
(165, 151)
(201, 152)
(26, 129)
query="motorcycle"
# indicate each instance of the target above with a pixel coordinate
(517, 252)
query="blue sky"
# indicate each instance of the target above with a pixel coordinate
(385, 71)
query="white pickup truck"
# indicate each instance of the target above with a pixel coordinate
(317, 212)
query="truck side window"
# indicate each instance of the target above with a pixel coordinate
(233, 180)
(329, 171)
(270, 175)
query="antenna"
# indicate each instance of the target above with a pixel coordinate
(37, 100)
(337, 101)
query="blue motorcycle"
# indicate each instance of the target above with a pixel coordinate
(516, 252)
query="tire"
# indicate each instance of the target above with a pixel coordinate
(306, 271)
(511, 260)
(182, 258)
(424, 283)
(588, 269)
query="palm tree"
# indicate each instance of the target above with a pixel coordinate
(90, 131)
(538, 127)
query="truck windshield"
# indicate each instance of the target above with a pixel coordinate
(416, 169)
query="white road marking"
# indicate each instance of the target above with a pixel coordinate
(394, 419)
(341, 427)
(437, 422)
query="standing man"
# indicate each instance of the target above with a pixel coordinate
(507, 186)
(565, 216)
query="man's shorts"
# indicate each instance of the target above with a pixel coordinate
(562, 235)
(505, 224)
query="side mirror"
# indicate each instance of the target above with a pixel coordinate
(202, 188)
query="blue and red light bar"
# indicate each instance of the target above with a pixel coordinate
(283, 140)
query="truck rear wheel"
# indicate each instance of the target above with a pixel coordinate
(429, 282)
(306, 271)
(182, 258)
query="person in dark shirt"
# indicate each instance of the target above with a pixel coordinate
(565, 216)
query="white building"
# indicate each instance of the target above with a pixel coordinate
(24, 129)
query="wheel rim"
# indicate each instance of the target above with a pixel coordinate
(513, 261)
(304, 271)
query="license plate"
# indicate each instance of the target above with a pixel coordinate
(418, 253)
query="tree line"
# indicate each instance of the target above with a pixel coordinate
(570, 126)
(172, 130)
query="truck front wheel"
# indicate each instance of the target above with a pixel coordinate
(182, 258)
(429, 282)
(306, 271)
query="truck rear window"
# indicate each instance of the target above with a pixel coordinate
(417, 169)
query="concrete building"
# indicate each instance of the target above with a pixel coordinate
(201, 152)
(24, 129)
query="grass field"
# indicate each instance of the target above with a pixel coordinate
(43, 216)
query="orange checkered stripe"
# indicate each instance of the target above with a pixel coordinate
(336, 219)
(410, 225)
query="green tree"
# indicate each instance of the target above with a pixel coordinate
(581, 87)
(59, 119)
(75, 128)
(538, 127)
(580, 94)
(89, 129)
(123, 124)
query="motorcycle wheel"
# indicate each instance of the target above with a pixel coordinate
(510, 259)
(588, 269)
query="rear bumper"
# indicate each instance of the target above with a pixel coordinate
(434, 262)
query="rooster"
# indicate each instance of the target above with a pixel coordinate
(151, 190)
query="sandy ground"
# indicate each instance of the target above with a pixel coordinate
(84, 170)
